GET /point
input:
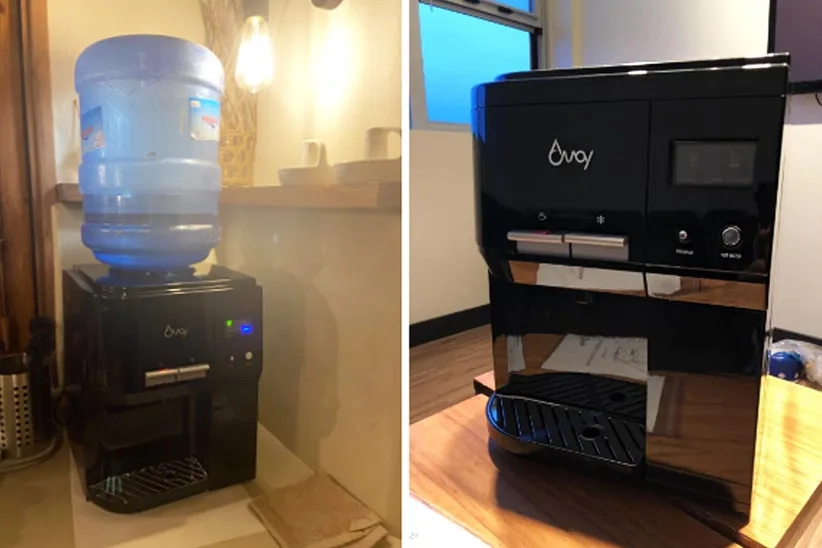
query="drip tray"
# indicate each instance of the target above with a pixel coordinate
(150, 486)
(605, 438)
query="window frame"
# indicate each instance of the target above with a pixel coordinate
(533, 22)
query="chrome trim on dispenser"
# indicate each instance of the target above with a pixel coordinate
(534, 237)
(162, 376)
(539, 243)
(190, 372)
(733, 294)
(596, 240)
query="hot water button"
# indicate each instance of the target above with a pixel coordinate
(731, 236)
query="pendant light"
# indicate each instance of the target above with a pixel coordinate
(254, 69)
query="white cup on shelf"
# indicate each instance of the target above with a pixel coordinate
(314, 170)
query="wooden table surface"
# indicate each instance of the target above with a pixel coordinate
(788, 467)
(508, 501)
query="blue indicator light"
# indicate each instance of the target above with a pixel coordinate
(245, 329)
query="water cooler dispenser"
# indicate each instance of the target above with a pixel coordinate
(162, 359)
(626, 215)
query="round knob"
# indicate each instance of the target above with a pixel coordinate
(731, 236)
(248, 355)
(683, 236)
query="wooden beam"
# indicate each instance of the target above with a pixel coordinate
(40, 142)
(17, 283)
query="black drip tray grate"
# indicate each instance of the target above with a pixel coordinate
(613, 396)
(591, 434)
(151, 486)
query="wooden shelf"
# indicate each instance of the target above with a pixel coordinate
(373, 196)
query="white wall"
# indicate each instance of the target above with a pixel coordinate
(638, 30)
(447, 273)
(796, 305)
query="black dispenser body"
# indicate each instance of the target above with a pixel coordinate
(626, 215)
(162, 372)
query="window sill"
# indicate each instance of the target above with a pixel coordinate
(368, 197)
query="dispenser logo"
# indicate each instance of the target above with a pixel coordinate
(170, 332)
(557, 156)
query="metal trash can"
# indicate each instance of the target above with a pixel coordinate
(26, 428)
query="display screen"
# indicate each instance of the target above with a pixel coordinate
(721, 164)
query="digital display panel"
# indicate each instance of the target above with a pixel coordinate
(717, 164)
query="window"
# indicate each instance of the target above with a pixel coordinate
(460, 44)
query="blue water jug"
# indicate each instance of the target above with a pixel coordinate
(150, 128)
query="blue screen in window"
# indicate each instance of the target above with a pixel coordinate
(460, 51)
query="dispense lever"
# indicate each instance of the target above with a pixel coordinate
(603, 247)
(539, 243)
(598, 240)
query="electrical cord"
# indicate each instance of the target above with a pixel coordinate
(56, 410)
(818, 101)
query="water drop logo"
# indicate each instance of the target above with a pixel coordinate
(170, 332)
(557, 156)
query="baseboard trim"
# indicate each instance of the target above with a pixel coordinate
(778, 334)
(451, 324)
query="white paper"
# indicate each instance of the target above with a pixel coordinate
(655, 385)
(589, 278)
(621, 357)
(516, 354)
(430, 529)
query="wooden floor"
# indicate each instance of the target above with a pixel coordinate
(442, 371)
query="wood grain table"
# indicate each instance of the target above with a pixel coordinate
(507, 501)
(787, 497)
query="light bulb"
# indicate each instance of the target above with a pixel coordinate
(255, 58)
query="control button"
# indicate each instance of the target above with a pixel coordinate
(248, 356)
(731, 236)
(231, 358)
(542, 216)
(683, 236)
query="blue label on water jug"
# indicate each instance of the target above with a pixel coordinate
(204, 116)
(91, 130)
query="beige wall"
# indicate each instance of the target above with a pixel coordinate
(75, 25)
(332, 285)
(331, 388)
(331, 383)
(337, 74)
(332, 281)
